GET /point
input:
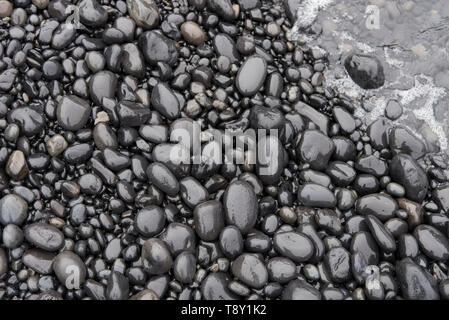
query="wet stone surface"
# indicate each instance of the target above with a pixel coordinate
(209, 149)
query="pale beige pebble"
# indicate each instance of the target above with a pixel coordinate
(144, 96)
(192, 33)
(102, 116)
(40, 4)
(57, 222)
(56, 145)
(17, 167)
(236, 9)
(5, 8)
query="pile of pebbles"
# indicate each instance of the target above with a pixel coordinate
(93, 205)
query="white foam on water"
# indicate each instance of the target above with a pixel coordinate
(308, 11)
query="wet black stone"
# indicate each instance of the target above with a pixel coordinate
(73, 112)
(293, 245)
(164, 100)
(338, 262)
(315, 195)
(240, 205)
(156, 48)
(209, 220)
(407, 172)
(415, 282)
(44, 236)
(316, 149)
(29, 119)
(249, 269)
(432, 242)
(251, 75)
(366, 71)
(150, 221)
(404, 141)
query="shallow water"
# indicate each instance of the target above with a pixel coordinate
(410, 38)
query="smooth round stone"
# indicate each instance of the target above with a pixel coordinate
(184, 267)
(92, 13)
(365, 70)
(144, 12)
(52, 70)
(5, 8)
(73, 112)
(150, 221)
(39, 260)
(378, 132)
(432, 242)
(344, 119)
(379, 205)
(364, 243)
(12, 236)
(215, 287)
(225, 46)
(249, 269)
(240, 205)
(104, 136)
(132, 114)
(160, 176)
(156, 256)
(41, 4)
(341, 173)
(382, 235)
(251, 75)
(344, 149)
(281, 269)
(231, 241)
(223, 8)
(393, 110)
(395, 190)
(13, 210)
(70, 269)
(328, 220)
(79, 153)
(12, 132)
(294, 245)
(133, 62)
(3, 262)
(402, 140)
(415, 282)
(154, 133)
(156, 48)
(408, 173)
(118, 286)
(300, 290)
(179, 237)
(192, 192)
(338, 263)
(44, 236)
(193, 33)
(408, 246)
(56, 145)
(316, 149)
(103, 84)
(90, 184)
(30, 121)
(164, 100)
(315, 195)
(209, 220)
(95, 61)
(17, 167)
